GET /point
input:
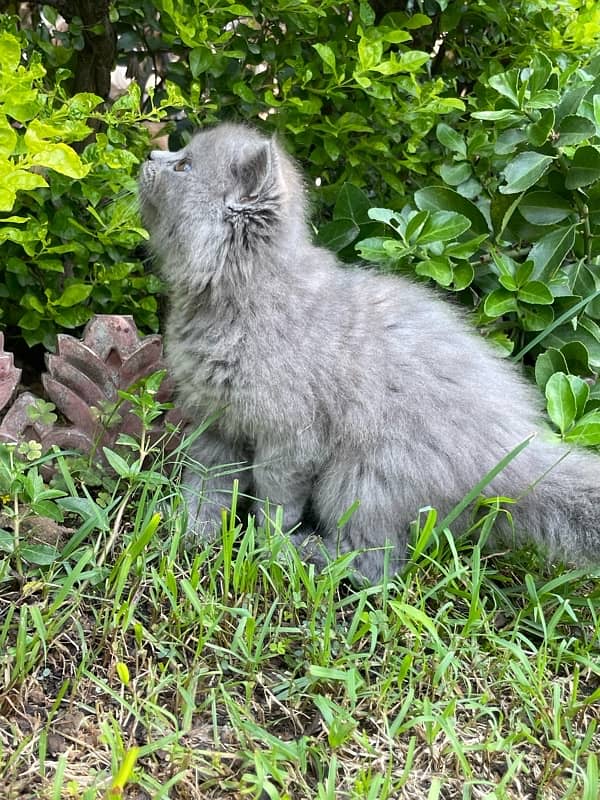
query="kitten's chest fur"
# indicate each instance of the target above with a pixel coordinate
(218, 361)
(205, 350)
(247, 363)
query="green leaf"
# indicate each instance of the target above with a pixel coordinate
(596, 106)
(508, 282)
(506, 84)
(581, 392)
(525, 170)
(464, 249)
(30, 321)
(370, 52)
(386, 215)
(7, 198)
(83, 103)
(71, 317)
(118, 463)
(539, 73)
(455, 174)
(439, 270)
(547, 98)
(50, 264)
(571, 100)
(538, 132)
(584, 169)
(22, 180)
(367, 15)
(39, 554)
(243, 91)
(74, 294)
(451, 140)
(574, 130)
(374, 249)
(499, 302)
(536, 318)
(352, 203)
(547, 363)
(10, 53)
(586, 432)
(412, 21)
(561, 402)
(508, 141)
(577, 357)
(412, 60)
(59, 157)
(502, 208)
(327, 55)
(415, 225)
(8, 138)
(393, 66)
(502, 342)
(7, 541)
(442, 226)
(201, 59)
(550, 251)
(441, 198)
(544, 208)
(561, 331)
(497, 116)
(586, 331)
(505, 265)
(14, 179)
(535, 292)
(462, 276)
(338, 234)
(523, 273)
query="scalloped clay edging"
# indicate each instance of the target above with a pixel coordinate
(82, 377)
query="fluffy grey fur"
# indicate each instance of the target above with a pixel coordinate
(337, 384)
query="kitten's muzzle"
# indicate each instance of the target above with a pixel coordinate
(148, 172)
(160, 155)
(147, 192)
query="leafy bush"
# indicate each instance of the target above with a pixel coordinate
(69, 228)
(472, 128)
(529, 245)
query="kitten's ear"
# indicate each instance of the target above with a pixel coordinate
(254, 171)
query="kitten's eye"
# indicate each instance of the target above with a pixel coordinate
(183, 165)
(249, 198)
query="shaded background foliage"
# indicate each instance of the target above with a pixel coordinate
(454, 141)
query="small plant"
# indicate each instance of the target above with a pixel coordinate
(26, 500)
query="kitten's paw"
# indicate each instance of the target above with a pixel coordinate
(204, 525)
(311, 548)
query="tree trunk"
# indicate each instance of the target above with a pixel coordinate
(93, 65)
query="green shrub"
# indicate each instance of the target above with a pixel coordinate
(529, 245)
(69, 228)
(471, 127)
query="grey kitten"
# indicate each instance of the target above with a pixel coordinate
(337, 384)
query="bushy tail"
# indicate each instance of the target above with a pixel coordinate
(561, 513)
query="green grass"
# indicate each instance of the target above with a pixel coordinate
(132, 666)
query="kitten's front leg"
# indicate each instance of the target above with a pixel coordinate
(287, 481)
(283, 481)
(207, 487)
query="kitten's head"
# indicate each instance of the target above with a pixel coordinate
(229, 196)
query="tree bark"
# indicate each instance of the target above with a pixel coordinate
(93, 65)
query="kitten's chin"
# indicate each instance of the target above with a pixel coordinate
(148, 208)
(148, 212)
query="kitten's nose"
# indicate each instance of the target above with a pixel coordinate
(159, 155)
